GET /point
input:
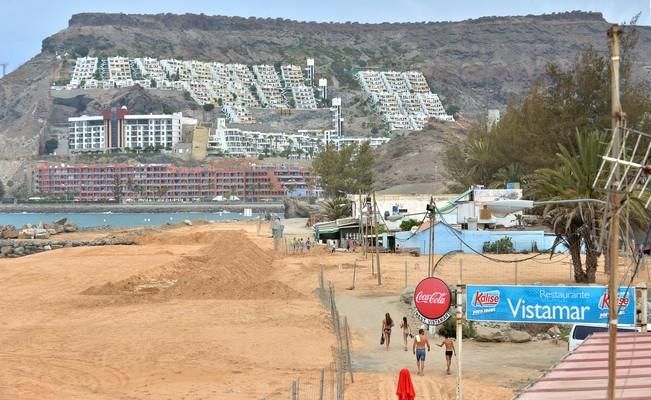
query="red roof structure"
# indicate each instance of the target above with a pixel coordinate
(583, 374)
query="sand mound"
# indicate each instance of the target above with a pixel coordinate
(229, 266)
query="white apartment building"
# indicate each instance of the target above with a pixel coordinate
(303, 144)
(303, 98)
(403, 98)
(85, 68)
(87, 133)
(119, 69)
(154, 130)
(117, 129)
(292, 75)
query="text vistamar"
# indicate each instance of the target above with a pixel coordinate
(537, 311)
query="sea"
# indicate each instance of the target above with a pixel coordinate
(122, 220)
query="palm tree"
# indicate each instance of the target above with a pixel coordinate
(337, 208)
(577, 225)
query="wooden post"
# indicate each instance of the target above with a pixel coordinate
(613, 231)
(321, 384)
(516, 273)
(405, 273)
(354, 272)
(644, 298)
(459, 316)
(377, 241)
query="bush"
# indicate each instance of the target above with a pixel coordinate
(449, 328)
(406, 225)
(501, 246)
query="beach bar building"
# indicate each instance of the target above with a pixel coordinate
(583, 374)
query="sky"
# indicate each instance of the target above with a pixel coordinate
(25, 23)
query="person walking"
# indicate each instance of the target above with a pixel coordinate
(294, 246)
(301, 246)
(387, 325)
(449, 351)
(405, 390)
(406, 331)
(420, 344)
(308, 245)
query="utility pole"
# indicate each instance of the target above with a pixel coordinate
(4, 68)
(377, 247)
(613, 232)
(431, 208)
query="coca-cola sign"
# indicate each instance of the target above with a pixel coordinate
(432, 298)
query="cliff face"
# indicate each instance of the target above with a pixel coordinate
(476, 64)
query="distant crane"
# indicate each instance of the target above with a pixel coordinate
(4, 68)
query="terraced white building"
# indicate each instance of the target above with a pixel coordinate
(403, 98)
(236, 88)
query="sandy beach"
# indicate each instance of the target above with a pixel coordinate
(213, 312)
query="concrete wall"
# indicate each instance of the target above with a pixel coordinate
(445, 240)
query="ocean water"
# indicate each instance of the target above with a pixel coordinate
(122, 220)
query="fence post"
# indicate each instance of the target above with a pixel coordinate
(571, 268)
(321, 384)
(286, 247)
(516, 273)
(405, 273)
(348, 358)
(321, 284)
(292, 391)
(354, 272)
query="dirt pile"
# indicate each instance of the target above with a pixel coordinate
(229, 266)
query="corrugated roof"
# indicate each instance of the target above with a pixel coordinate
(583, 374)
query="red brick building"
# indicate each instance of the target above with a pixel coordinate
(165, 182)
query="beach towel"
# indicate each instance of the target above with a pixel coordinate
(405, 389)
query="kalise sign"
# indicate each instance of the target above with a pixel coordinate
(548, 304)
(432, 299)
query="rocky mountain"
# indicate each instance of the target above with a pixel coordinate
(474, 64)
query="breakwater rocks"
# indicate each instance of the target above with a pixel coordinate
(11, 248)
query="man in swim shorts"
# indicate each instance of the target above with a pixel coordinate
(449, 351)
(420, 344)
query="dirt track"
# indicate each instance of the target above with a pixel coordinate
(239, 321)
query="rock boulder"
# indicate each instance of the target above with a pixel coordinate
(407, 295)
(488, 334)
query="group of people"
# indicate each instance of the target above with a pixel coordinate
(420, 345)
(301, 246)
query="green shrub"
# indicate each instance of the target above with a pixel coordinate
(501, 246)
(449, 328)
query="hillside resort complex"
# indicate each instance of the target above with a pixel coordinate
(164, 182)
(236, 88)
(403, 98)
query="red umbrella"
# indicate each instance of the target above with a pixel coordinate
(405, 389)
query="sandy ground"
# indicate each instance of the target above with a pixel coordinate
(213, 312)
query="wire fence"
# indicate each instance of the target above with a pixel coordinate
(329, 383)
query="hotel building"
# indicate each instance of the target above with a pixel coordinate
(117, 129)
(164, 182)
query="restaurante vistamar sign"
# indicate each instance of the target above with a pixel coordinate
(547, 304)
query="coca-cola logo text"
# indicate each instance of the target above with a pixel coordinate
(432, 298)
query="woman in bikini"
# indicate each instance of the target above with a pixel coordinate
(405, 330)
(387, 324)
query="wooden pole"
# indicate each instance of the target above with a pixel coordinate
(644, 298)
(377, 241)
(459, 316)
(613, 239)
